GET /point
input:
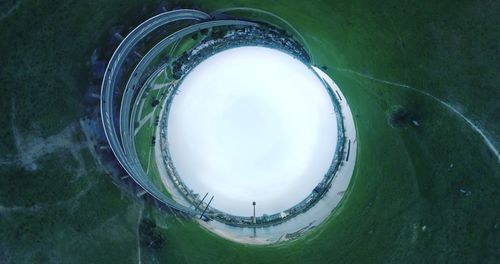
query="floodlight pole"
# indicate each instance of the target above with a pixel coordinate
(253, 219)
(201, 216)
(201, 201)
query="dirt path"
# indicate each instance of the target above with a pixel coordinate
(32, 147)
(486, 140)
(8, 10)
(148, 118)
(139, 219)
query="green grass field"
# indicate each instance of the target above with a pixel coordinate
(405, 203)
(143, 138)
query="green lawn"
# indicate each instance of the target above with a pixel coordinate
(150, 95)
(144, 136)
(405, 203)
(146, 152)
(185, 44)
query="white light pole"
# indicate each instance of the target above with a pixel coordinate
(253, 220)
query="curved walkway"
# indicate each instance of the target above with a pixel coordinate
(121, 140)
(108, 91)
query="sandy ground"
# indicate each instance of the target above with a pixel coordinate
(167, 182)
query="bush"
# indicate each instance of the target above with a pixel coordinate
(150, 234)
(398, 116)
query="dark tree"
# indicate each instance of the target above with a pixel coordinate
(176, 75)
(151, 236)
(398, 116)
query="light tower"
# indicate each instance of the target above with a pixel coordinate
(253, 219)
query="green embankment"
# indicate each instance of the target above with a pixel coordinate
(421, 194)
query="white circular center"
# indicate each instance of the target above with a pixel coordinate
(252, 124)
